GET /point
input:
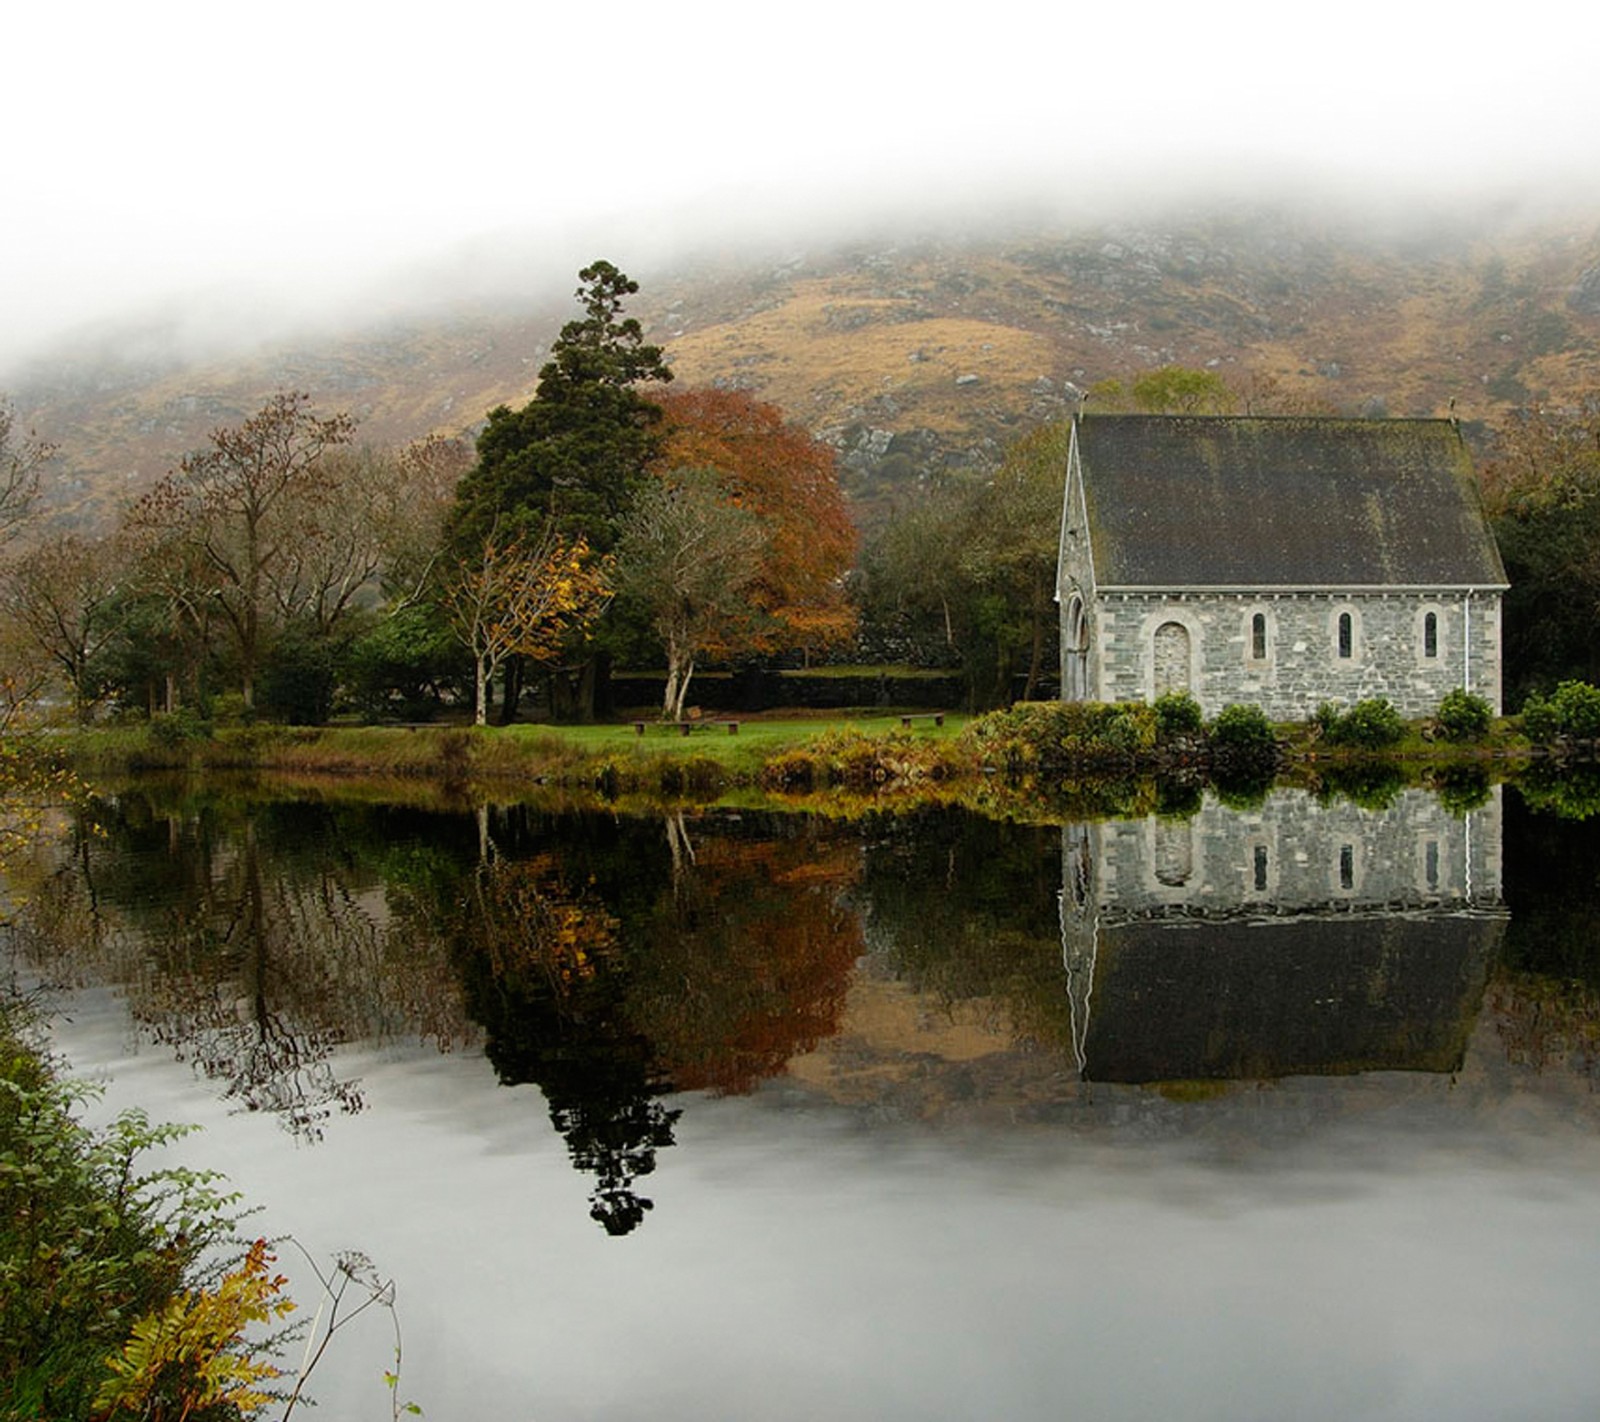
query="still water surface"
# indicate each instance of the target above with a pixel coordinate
(1277, 1112)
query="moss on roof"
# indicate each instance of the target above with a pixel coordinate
(1221, 501)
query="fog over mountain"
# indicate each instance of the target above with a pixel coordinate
(239, 172)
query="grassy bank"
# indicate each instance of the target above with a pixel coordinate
(1043, 744)
(586, 755)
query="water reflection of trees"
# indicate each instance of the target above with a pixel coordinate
(252, 941)
(645, 960)
(1546, 998)
(609, 961)
(746, 961)
(614, 961)
(966, 909)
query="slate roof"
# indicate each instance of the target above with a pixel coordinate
(1180, 501)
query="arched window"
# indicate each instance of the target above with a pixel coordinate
(1174, 852)
(1075, 650)
(1347, 635)
(1430, 635)
(1258, 637)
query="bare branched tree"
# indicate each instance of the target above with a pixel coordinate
(249, 505)
(690, 556)
(60, 594)
(21, 456)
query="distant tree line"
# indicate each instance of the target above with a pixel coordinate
(1542, 489)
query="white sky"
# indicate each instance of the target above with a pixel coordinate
(305, 148)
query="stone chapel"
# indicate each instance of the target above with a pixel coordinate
(1278, 561)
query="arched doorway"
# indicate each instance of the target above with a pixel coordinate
(1171, 658)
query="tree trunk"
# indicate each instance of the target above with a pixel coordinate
(511, 690)
(683, 689)
(480, 693)
(1036, 655)
(587, 676)
(671, 701)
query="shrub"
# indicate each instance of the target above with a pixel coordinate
(1325, 717)
(90, 1239)
(1125, 728)
(400, 666)
(1573, 709)
(1055, 733)
(1371, 724)
(1177, 714)
(1243, 731)
(297, 682)
(1577, 708)
(1463, 716)
(228, 709)
(1539, 719)
(169, 730)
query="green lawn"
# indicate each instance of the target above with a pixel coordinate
(755, 742)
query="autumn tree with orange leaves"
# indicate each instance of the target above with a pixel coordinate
(789, 481)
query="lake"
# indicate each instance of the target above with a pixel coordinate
(1282, 1107)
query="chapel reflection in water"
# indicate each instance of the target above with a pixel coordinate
(1297, 937)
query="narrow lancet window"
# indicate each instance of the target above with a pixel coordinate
(1347, 638)
(1347, 866)
(1258, 636)
(1261, 868)
(1430, 635)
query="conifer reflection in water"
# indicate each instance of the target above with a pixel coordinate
(728, 954)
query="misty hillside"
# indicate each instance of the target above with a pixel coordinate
(908, 355)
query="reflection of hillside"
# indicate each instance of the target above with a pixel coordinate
(1295, 938)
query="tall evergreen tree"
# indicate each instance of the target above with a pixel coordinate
(572, 454)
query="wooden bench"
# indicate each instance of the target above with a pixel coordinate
(685, 727)
(937, 717)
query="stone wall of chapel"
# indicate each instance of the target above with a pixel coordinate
(1302, 667)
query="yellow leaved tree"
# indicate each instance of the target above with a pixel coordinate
(515, 598)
